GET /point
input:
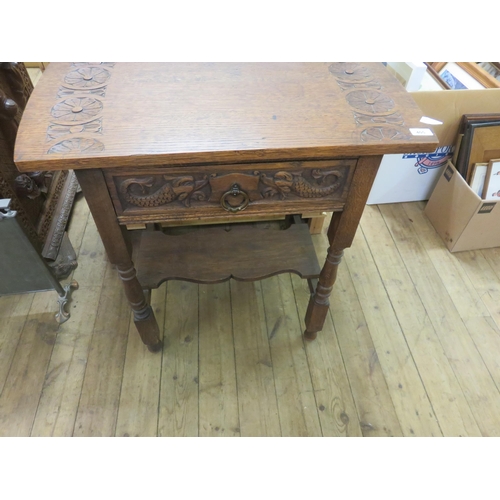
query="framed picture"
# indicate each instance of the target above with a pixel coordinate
(458, 78)
(492, 68)
(468, 75)
(477, 118)
(481, 74)
(491, 189)
(477, 178)
(485, 144)
(480, 144)
(433, 80)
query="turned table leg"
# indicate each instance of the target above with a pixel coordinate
(96, 193)
(340, 235)
(319, 301)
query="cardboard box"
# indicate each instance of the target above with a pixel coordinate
(462, 219)
(412, 177)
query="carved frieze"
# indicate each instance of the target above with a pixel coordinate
(64, 92)
(79, 114)
(161, 190)
(350, 72)
(183, 189)
(373, 110)
(76, 110)
(371, 102)
(68, 190)
(325, 183)
(26, 187)
(87, 77)
(373, 84)
(19, 82)
(45, 221)
(55, 131)
(382, 132)
(79, 144)
(368, 120)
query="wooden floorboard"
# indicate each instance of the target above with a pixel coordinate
(58, 406)
(257, 402)
(334, 402)
(62, 386)
(218, 396)
(410, 347)
(409, 396)
(374, 406)
(466, 361)
(14, 311)
(100, 396)
(179, 399)
(139, 396)
(23, 385)
(438, 377)
(297, 407)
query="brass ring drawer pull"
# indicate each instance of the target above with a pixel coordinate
(234, 191)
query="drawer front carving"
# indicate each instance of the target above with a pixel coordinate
(161, 193)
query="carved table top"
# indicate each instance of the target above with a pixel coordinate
(85, 115)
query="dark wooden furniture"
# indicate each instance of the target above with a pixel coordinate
(197, 143)
(42, 199)
(22, 268)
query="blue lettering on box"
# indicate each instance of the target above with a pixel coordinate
(429, 161)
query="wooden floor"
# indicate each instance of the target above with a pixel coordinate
(411, 347)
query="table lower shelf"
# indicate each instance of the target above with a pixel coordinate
(216, 254)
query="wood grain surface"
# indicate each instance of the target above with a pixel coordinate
(128, 114)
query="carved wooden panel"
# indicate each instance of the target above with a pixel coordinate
(76, 123)
(375, 113)
(165, 193)
(26, 193)
(43, 200)
(18, 82)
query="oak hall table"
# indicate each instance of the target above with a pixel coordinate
(184, 143)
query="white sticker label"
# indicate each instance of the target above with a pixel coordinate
(421, 131)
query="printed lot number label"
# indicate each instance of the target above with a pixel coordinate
(421, 131)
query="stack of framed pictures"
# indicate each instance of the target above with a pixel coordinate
(491, 189)
(477, 153)
(485, 180)
(446, 75)
(466, 75)
(464, 206)
(492, 68)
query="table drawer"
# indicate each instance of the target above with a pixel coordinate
(156, 194)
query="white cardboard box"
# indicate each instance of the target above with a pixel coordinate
(412, 177)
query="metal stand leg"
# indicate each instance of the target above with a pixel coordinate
(63, 316)
(22, 268)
